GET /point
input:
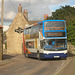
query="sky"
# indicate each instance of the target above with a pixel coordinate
(36, 8)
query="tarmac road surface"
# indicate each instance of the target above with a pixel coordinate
(69, 69)
(30, 66)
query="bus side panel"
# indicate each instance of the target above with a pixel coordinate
(31, 51)
(34, 54)
(41, 51)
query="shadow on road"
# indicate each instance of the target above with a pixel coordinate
(49, 59)
(5, 56)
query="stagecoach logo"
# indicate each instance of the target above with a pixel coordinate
(19, 30)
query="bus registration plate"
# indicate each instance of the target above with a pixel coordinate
(56, 56)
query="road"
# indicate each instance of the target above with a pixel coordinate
(69, 69)
(30, 66)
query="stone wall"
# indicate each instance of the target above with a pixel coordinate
(15, 33)
(1, 42)
(71, 49)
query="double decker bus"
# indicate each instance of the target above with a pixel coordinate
(46, 39)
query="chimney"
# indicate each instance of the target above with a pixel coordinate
(45, 16)
(19, 9)
(26, 10)
(25, 13)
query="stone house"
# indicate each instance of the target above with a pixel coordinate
(15, 32)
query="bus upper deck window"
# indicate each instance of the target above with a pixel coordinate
(30, 30)
(27, 31)
(41, 27)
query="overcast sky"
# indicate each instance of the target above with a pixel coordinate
(36, 8)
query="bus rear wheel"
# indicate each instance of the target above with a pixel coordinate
(38, 55)
(26, 55)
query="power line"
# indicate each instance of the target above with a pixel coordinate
(13, 6)
(2, 11)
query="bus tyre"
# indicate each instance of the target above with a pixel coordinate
(26, 54)
(38, 55)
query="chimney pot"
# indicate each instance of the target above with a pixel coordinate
(24, 11)
(19, 5)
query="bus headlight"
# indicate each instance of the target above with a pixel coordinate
(65, 52)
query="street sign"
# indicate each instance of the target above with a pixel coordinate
(19, 30)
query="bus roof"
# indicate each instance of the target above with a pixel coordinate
(42, 22)
(54, 20)
(34, 24)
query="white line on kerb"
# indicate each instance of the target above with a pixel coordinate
(63, 66)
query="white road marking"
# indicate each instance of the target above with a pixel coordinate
(21, 68)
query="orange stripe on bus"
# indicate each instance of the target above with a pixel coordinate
(35, 24)
(0, 26)
(41, 34)
(28, 51)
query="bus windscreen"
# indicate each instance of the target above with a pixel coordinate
(55, 44)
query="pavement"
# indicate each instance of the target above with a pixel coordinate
(19, 65)
(6, 60)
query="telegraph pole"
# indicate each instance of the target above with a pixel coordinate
(2, 11)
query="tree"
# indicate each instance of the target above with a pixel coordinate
(66, 13)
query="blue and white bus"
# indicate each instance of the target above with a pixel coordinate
(46, 39)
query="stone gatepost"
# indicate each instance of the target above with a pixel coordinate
(1, 43)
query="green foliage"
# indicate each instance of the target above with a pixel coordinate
(71, 34)
(66, 13)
